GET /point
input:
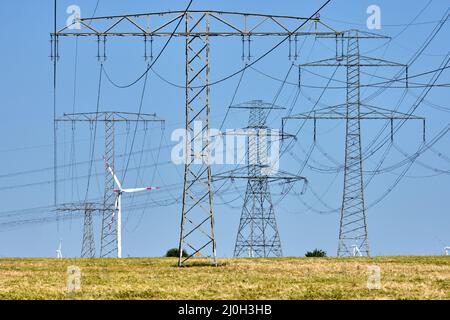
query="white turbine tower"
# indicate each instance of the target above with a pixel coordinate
(118, 206)
(59, 250)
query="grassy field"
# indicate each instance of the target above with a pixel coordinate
(285, 278)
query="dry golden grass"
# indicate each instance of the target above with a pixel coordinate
(285, 278)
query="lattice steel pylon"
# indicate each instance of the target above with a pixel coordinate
(197, 222)
(109, 232)
(197, 209)
(258, 234)
(353, 220)
(88, 209)
(109, 239)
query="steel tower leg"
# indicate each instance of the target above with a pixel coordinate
(353, 224)
(197, 222)
(109, 220)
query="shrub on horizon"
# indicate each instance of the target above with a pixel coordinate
(316, 254)
(175, 252)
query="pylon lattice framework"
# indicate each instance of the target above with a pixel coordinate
(197, 223)
(353, 224)
(88, 241)
(258, 234)
(109, 231)
(353, 220)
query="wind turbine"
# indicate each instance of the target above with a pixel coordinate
(356, 251)
(446, 248)
(118, 205)
(59, 250)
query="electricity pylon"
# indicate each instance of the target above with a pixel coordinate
(197, 215)
(88, 209)
(353, 220)
(109, 233)
(258, 234)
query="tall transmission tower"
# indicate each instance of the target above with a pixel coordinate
(258, 234)
(89, 209)
(353, 221)
(197, 215)
(109, 234)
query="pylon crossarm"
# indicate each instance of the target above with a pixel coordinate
(73, 207)
(240, 173)
(367, 112)
(257, 104)
(359, 34)
(108, 116)
(158, 24)
(364, 62)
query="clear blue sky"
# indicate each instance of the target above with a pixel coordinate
(413, 219)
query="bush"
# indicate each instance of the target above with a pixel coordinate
(316, 254)
(175, 252)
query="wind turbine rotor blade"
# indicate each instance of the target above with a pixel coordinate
(134, 190)
(113, 175)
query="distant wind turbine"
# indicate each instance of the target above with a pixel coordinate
(446, 248)
(356, 251)
(59, 250)
(118, 206)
